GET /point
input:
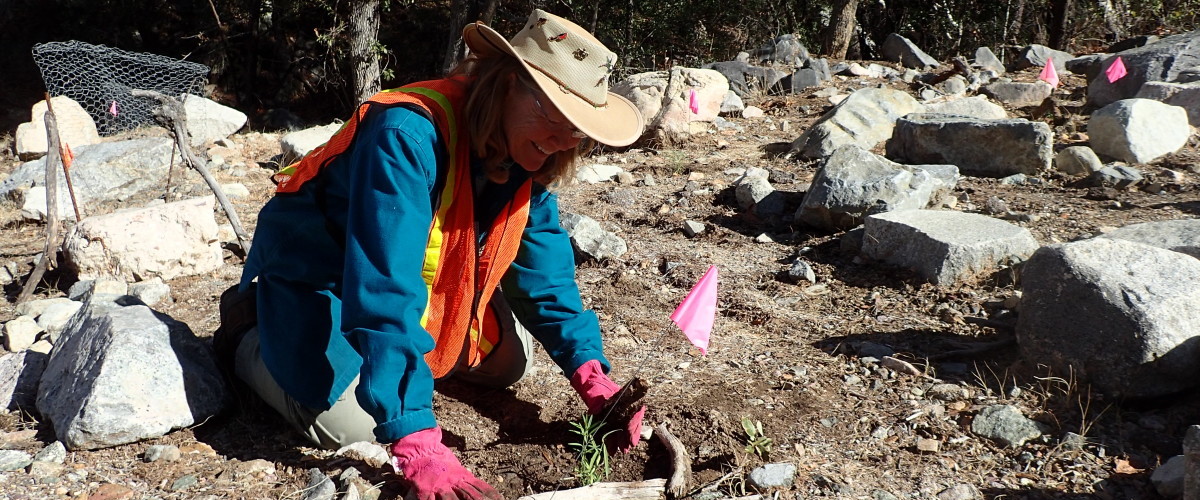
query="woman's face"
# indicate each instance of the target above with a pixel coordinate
(534, 128)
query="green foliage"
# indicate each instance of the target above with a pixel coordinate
(756, 441)
(593, 463)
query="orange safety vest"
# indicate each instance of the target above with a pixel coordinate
(459, 278)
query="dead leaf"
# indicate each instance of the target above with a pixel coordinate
(1124, 467)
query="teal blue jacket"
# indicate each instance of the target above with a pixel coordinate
(340, 292)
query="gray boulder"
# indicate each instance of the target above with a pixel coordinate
(1036, 56)
(1138, 130)
(896, 48)
(974, 107)
(1181, 235)
(981, 148)
(1184, 95)
(121, 374)
(784, 49)
(1087, 65)
(1116, 175)
(1018, 94)
(985, 59)
(299, 143)
(945, 247)
(208, 120)
(745, 78)
(1132, 43)
(854, 183)
(108, 171)
(1077, 160)
(1171, 59)
(863, 119)
(19, 376)
(1121, 315)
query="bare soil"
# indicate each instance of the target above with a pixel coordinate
(784, 354)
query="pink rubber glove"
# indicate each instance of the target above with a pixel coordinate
(433, 472)
(596, 390)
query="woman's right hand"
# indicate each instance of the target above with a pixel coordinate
(432, 472)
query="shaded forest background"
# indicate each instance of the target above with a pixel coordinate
(302, 55)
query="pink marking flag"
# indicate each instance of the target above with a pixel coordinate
(112, 108)
(693, 104)
(696, 313)
(1049, 75)
(1115, 70)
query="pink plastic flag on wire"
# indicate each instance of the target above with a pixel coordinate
(112, 108)
(1116, 70)
(693, 104)
(696, 313)
(1049, 75)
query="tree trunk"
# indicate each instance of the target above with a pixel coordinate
(841, 29)
(454, 44)
(1060, 13)
(364, 36)
(1018, 23)
(1112, 19)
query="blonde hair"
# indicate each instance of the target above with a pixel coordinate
(490, 83)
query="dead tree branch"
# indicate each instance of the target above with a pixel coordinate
(681, 463)
(172, 116)
(50, 250)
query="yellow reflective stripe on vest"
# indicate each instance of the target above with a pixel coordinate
(433, 249)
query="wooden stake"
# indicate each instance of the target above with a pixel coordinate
(66, 167)
(173, 117)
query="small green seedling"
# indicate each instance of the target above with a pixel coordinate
(756, 441)
(593, 464)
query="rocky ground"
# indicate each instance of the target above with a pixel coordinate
(800, 358)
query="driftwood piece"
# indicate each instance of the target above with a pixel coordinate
(174, 119)
(50, 250)
(650, 489)
(681, 463)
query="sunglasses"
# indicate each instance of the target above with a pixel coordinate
(575, 133)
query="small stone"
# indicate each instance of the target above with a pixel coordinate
(54, 452)
(370, 453)
(162, 452)
(927, 445)
(319, 487)
(695, 176)
(46, 472)
(235, 190)
(11, 460)
(995, 206)
(1006, 425)
(802, 270)
(1168, 478)
(693, 228)
(184, 482)
(649, 180)
(882, 495)
(253, 469)
(20, 333)
(764, 238)
(43, 346)
(151, 292)
(777, 475)
(948, 392)
(110, 491)
(899, 365)
(752, 112)
(1074, 442)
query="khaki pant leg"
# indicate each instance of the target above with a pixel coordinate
(512, 358)
(345, 423)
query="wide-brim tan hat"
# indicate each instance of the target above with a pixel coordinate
(572, 68)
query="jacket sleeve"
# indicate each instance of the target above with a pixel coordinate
(394, 167)
(541, 290)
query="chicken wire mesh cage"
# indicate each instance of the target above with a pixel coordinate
(101, 79)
